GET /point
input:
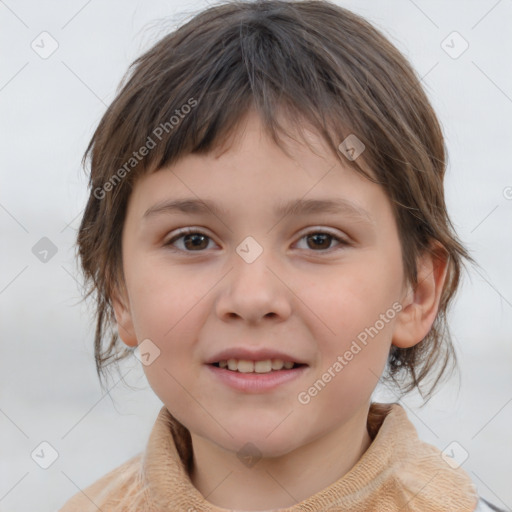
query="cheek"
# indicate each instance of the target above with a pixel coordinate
(352, 298)
(164, 299)
(165, 305)
(168, 380)
(357, 319)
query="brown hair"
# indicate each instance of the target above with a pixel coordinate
(315, 62)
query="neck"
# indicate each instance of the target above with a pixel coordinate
(278, 482)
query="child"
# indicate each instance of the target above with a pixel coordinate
(238, 146)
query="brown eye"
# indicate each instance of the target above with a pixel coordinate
(196, 241)
(320, 241)
(193, 241)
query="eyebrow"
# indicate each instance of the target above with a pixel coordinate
(292, 207)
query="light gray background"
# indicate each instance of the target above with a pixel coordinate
(49, 108)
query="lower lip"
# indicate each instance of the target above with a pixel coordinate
(256, 382)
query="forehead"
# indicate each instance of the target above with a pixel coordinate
(303, 177)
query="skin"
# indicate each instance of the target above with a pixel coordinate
(305, 296)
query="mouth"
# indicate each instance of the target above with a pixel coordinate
(264, 366)
(255, 376)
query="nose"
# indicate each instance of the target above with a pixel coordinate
(253, 291)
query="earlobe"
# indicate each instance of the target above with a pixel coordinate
(420, 306)
(124, 320)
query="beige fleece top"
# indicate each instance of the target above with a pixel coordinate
(398, 472)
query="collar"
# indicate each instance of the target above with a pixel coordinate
(398, 472)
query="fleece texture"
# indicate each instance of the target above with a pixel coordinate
(398, 472)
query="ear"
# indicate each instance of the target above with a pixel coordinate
(420, 306)
(122, 312)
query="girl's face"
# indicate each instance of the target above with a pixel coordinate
(312, 285)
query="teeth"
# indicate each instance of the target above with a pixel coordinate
(262, 366)
(245, 366)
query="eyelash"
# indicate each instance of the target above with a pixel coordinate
(190, 231)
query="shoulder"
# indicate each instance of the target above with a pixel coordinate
(484, 506)
(118, 484)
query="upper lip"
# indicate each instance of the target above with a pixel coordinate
(247, 354)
